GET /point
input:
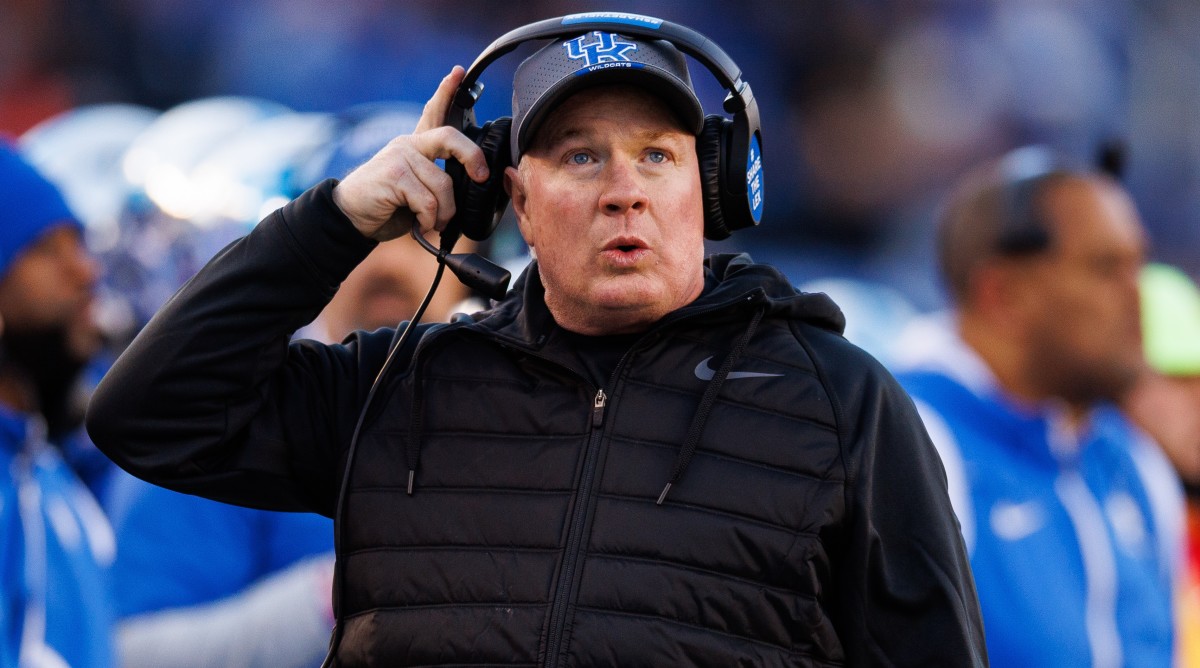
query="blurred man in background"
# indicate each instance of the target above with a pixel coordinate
(1071, 514)
(385, 290)
(56, 544)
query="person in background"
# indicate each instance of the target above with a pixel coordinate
(55, 542)
(1166, 404)
(1071, 514)
(80, 151)
(385, 290)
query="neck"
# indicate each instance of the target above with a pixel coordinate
(1005, 355)
(595, 321)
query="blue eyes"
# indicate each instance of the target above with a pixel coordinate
(583, 158)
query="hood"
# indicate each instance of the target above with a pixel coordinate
(522, 316)
(736, 274)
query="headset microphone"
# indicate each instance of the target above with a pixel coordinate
(475, 271)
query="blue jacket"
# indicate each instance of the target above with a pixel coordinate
(179, 550)
(55, 549)
(1074, 535)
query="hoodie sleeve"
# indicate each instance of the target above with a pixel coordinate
(906, 593)
(213, 399)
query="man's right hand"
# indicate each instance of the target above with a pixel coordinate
(402, 183)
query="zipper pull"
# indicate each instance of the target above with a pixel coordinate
(598, 407)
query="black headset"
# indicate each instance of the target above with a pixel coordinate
(1023, 230)
(1025, 171)
(729, 150)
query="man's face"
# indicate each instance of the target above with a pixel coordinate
(608, 197)
(1083, 306)
(49, 288)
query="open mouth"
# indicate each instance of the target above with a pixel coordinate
(625, 252)
(625, 244)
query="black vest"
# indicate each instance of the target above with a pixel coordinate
(533, 536)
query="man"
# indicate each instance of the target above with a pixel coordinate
(634, 459)
(56, 543)
(1072, 547)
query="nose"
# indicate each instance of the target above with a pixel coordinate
(624, 189)
(86, 268)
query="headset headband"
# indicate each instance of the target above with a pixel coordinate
(739, 99)
(730, 153)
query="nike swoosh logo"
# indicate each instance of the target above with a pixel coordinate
(705, 372)
(1015, 521)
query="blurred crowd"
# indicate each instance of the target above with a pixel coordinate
(870, 107)
(171, 127)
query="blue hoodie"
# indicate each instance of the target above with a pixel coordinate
(1074, 534)
(55, 548)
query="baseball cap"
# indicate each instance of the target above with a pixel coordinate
(564, 67)
(30, 205)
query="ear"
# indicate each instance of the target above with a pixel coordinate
(515, 188)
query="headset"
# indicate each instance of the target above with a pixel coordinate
(729, 150)
(729, 154)
(1025, 172)
(1023, 230)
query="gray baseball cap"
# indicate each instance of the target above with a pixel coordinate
(564, 67)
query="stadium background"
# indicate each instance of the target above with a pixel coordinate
(870, 107)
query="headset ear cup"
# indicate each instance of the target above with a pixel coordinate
(709, 151)
(476, 204)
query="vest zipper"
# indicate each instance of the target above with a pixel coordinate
(598, 408)
(566, 577)
(564, 587)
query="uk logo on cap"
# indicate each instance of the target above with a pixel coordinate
(605, 48)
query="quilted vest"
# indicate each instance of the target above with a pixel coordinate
(533, 536)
